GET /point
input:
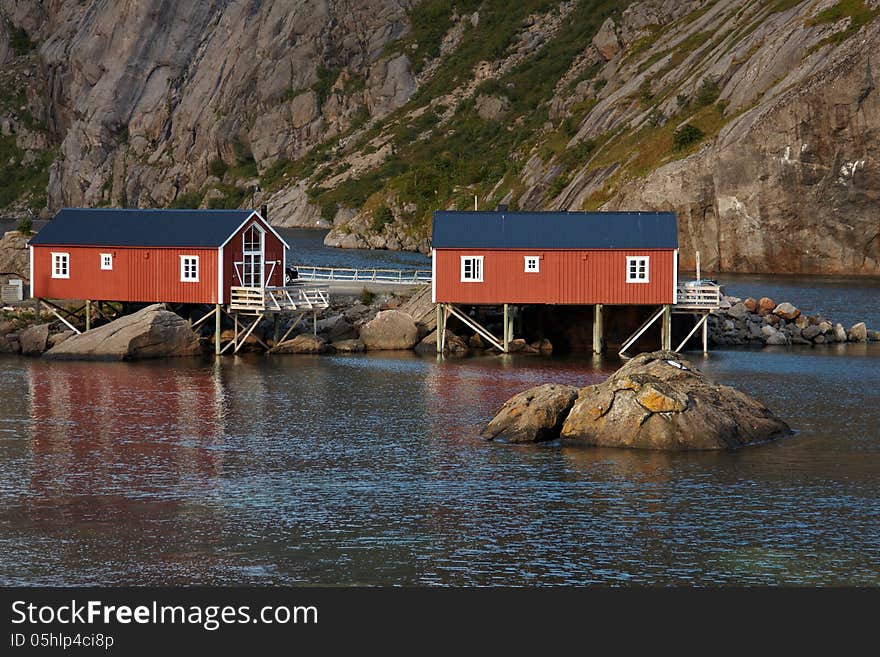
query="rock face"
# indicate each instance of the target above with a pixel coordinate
(14, 257)
(149, 333)
(34, 339)
(659, 401)
(390, 329)
(338, 107)
(532, 416)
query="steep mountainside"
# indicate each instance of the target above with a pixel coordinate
(757, 121)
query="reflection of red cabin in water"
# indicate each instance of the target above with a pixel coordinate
(174, 256)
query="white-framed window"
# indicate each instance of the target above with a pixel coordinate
(107, 261)
(638, 269)
(60, 265)
(472, 269)
(189, 269)
(532, 264)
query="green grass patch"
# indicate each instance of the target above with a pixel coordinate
(188, 200)
(326, 79)
(23, 182)
(858, 12)
(232, 199)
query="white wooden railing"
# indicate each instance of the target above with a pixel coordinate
(300, 296)
(394, 276)
(698, 295)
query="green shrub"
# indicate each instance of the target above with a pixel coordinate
(188, 200)
(685, 136)
(218, 167)
(382, 216)
(367, 297)
(328, 211)
(25, 226)
(19, 39)
(708, 92)
(326, 79)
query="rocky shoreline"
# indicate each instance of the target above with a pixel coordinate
(392, 322)
(763, 322)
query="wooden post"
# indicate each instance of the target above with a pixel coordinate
(667, 328)
(217, 329)
(706, 335)
(439, 327)
(276, 333)
(88, 315)
(506, 329)
(598, 337)
(314, 323)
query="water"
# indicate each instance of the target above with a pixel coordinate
(367, 470)
(307, 248)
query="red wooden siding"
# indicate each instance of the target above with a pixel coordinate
(234, 252)
(565, 277)
(138, 275)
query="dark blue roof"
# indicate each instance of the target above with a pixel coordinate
(114, 227)
(555, 230)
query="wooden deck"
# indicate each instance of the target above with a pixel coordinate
(290, 298)
(697, 296)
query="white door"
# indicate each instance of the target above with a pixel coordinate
(254, 256)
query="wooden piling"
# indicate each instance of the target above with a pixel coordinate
(598, 333)
(217, 329)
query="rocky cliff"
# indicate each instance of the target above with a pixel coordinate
(757, 121)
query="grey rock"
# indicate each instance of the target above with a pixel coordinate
(34, 339)
(453, 345)
(349, 346)
(660, 401)
(858, 333)
(535, 415)
(305, 343)
(390, 329)
(738, 310)
(839, 333)
(153, 332)
(811, 331)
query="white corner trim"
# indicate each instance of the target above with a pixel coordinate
(220, 275)
(675, 278)
(244, 223)
(31, 281)
(433, 275)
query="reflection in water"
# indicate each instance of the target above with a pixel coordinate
(367, 470)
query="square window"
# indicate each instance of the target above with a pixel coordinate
(60, 265)
(533, 264)
(107, 261)
(189, 269)
(472, 269)
(637, 269)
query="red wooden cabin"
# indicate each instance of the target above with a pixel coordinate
(171, 256)
(579, 258)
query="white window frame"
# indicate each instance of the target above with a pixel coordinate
(532, 259)
(184, 277)
(476, 267)
(59, 257)
(637, 260)
(107, 262)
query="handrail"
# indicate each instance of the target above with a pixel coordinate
(299, 296)
(398, 276)
(697, 294)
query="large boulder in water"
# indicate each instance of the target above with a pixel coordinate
(660, 401)
(532, 416)
(153, 332)
(305, 343)
(390, 329)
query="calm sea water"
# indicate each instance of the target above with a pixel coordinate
(367, 469)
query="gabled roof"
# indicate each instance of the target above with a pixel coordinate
(554, 230)
(150, 228)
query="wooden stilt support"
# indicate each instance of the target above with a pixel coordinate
(706, 334)
(467, 321)
(314, 323)
(276, 329)
(506, 328)
(443, 331)
(598, 334)
(217, 329)
(644, 327)
(88, 315)
(666, 333)
(439, 327)
(702, 322)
